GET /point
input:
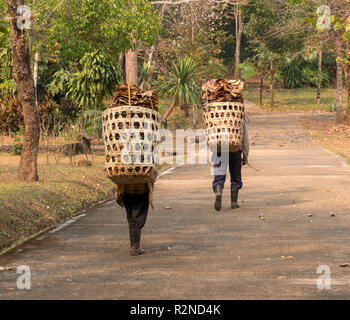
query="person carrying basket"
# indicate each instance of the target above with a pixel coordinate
(227, 134)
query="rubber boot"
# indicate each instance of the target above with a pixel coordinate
(135, 238)
(234, 198)
(218, 200)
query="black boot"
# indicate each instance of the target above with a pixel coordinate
(234, 198)
(218, 200)
(135, 238)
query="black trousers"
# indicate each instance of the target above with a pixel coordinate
(136, 206)
(234, 162)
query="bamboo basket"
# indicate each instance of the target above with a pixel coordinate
(224, 124)
(131, 139)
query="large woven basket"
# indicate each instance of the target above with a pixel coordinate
(224, 124)
(131, 138)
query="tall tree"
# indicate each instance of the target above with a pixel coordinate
(334, 13)
(131, 67)
(319, 80)
(347, 114)
(340, 110)
(239, 33)
(23, 75)
(267, 35)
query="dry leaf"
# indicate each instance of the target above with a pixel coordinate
(5, 268)
(287, 257)
(343, 265)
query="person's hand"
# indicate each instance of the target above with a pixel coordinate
(244, 159)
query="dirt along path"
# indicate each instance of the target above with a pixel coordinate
(294, 217)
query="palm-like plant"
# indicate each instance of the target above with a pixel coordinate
(145, 75)
(181, 85)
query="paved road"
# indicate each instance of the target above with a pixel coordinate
(193, 252)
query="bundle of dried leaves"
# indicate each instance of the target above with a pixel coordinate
(131, 95)
(222, 90)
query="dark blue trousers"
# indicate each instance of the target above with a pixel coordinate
(234, 162)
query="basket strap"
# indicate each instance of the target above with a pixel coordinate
(129, 94)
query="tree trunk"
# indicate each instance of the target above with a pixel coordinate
(194, 117)
(150, 57)
(185, 109)
(131, 68)
(348, 88)
(239, 33)
(272, 84)
(35, 77)
(340, 112)
(347, 115)
(123, 66)
(23, 75)
(320, 58)
(261, 90)
(170, 110)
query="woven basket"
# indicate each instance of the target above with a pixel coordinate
(131, 137)
(224, 123)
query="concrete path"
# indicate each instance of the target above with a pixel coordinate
(193, 252)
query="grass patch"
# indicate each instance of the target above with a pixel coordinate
(295, 100)
(329, 134)
(62, 192)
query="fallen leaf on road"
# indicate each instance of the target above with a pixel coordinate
(261, 216)
(339, 129)
(167, 207)
(5, 268)
(343, 265)
(287, 257)
(282, 277)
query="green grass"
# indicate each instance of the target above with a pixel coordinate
(296, 100)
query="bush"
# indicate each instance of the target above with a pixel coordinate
(310, 77)
(51, 113)
(56, 115)
(291, 73)
(11, 117)
(17, 151)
